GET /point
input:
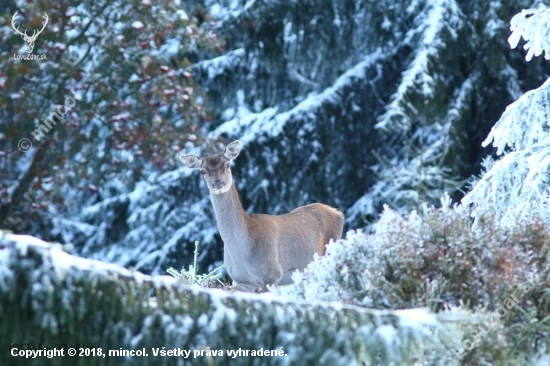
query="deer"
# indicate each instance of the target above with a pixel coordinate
(261, 249)
(29, 40)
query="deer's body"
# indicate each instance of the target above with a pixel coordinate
(261, 250)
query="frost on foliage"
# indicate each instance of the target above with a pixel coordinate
(429, 248)
(72, 298)
(434, 258)
(518, 182)
(533, 25)
(525, 123)
(325, 274)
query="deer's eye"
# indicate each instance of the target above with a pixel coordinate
(227, 166)
(203, 172)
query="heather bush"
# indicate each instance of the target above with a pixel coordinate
(436, 258)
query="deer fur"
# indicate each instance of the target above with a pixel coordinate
(259, 249)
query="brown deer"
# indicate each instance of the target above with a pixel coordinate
(261, 250)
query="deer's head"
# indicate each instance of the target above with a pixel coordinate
(216, 168)
(29, 40)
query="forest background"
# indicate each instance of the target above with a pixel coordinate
(357, 104)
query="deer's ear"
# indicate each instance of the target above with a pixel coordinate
(191, 161)
(232, 150)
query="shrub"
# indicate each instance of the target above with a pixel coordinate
(435, 258)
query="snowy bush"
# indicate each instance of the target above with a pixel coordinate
(433, 258)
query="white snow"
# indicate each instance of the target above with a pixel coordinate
(417, 318)
(65, 261)
(137, 25)
(533, 25)
(389, 335)
(217, 66)
(518, 183)
(121, 116)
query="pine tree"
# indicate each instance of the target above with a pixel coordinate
(517, 183)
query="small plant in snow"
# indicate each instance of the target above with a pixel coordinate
(212, 279)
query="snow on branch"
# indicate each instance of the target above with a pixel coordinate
(517, 184)
(169, 211)
(525, 123)
(444, 16)
(272, 123)
(218, 66)
(534, 26)
(404, 183)
(231, 11)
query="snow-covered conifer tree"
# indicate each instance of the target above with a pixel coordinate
(520, 180)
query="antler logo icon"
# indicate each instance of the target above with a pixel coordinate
(29, 40)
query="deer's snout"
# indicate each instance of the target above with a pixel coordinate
(218, 184)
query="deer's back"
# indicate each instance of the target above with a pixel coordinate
(297, 235)
(329, 219)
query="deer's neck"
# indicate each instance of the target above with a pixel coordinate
(230, 217)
